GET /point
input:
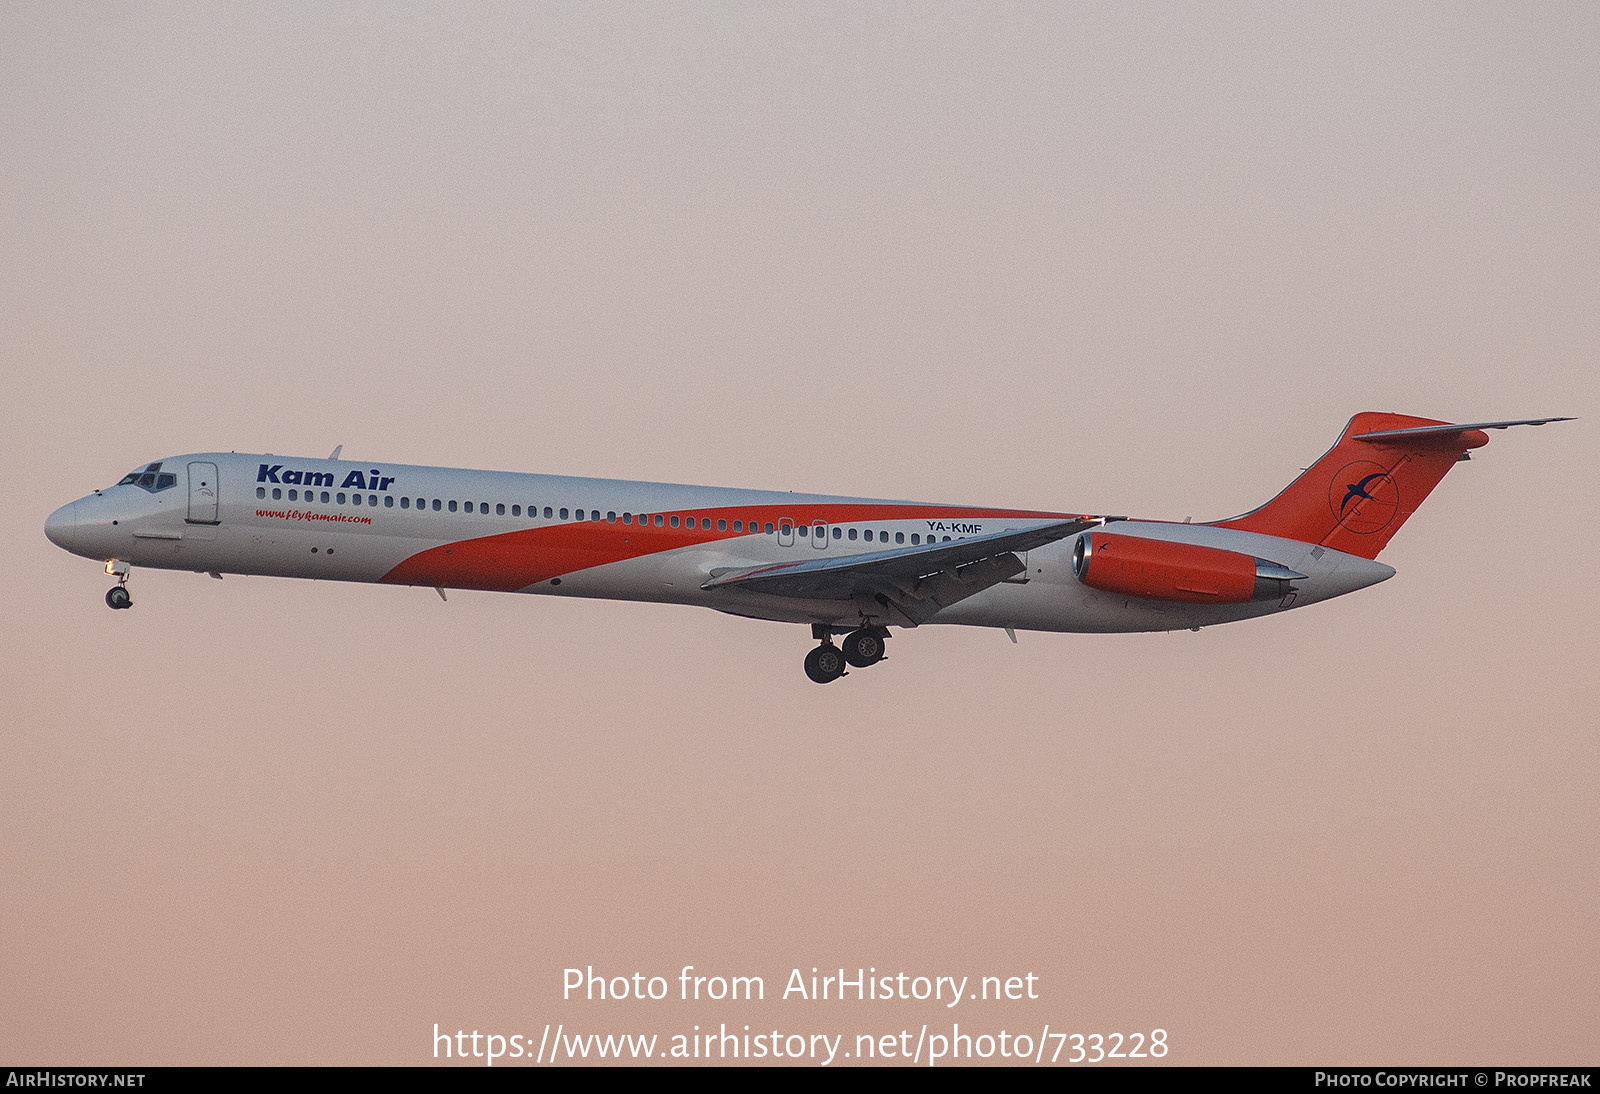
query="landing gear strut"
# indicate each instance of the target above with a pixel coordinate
(861, 647)
(117, 596)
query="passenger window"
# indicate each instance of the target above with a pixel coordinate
(899, 537)
(294, 495)
(341, 497)
(388, 501)
(674, 522)
(453, 506)
(277, 494)
(883, 537)
(915, 539)
(563, 514)
(467, 508)
(261, 491)
(785, 528)
(372, 499)
(837, 532)
(405, 503)
(738, 526)
(722, 525)
(769, 527)
(947, 539)
(659, 520)
(547, 512)
(804, 530)
(324, 497)
(611, 518)
(852, 533)
(355, 499)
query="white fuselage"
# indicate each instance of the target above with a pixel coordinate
(561, 536)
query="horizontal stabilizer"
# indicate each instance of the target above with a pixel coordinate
(1445, 430)
(1364, 488)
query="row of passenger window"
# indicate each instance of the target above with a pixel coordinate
(659, 520)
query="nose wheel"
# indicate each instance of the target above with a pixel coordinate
(117, 596)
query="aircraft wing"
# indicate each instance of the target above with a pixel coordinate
(912, 582)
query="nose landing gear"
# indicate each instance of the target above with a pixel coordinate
(118, 596)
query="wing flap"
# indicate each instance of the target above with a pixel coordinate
(916, 581)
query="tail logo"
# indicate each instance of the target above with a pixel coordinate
(1363, 497)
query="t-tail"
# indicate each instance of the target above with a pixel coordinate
(1356, 497)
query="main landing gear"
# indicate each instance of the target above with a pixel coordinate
(825, 664)
(860, 648)
(117, 596)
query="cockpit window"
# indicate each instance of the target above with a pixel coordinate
(150, 478)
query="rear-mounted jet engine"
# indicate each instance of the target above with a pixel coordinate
(1158, 570)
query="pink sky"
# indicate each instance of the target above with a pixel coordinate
(1071, 257)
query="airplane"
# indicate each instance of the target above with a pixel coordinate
(850, 567)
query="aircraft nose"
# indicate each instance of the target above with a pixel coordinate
(62, 526)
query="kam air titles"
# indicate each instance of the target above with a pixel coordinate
(355, 480)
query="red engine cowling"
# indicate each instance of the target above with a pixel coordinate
(1156, 569)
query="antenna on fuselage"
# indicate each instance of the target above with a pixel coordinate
(338, 448)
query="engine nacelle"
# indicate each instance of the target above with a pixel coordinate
(1156, 569)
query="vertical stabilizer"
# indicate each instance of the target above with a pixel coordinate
(1359, 494)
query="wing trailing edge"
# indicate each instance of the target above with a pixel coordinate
(908, 585)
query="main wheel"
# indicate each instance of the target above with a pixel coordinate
(863, 648)
(825, 664)
(117, 597)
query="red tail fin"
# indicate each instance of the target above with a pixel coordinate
(1359, 494)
